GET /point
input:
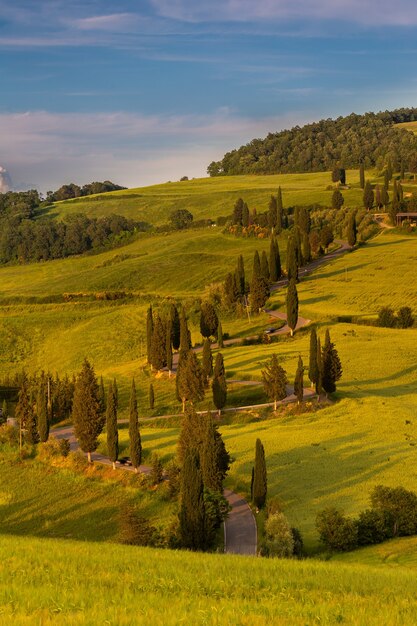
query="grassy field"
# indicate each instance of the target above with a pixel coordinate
(124, 585)
(209, 198)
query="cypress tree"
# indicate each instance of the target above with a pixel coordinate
(306, 247)
(384, 197)
(32, 435)
(158, 350)
(251, 483)
(352, 231)
(238, 212)
(259, 289)
(259, 477)
(299, 381)
(87, 414)
(151, 397)
(175, 327)
(190, 379)
(274, 380)
(264, 266)
(332, 367)
(185, 343)
(378, 202)
(212, 475)
(192, 510)
(149, 333)
(134, 433)
(256, 265)
(207, 362)
(220, 343)
(312, 366)
(319, 380)
(298, 249)
(368, 196)
(292, 259)
(337, 199)
(24, 410)
(362, 176)
(219, 385)
(272, 213)
(280, 213)
(168, 346)
(111, 425)
(102, 398)
(389, 169)
(292, 306)
(4, 410)
(208, 320)
(402, 170)
(245, 215)
(42, 413)
(274, 260)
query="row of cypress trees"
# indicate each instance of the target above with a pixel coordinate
(325, 367)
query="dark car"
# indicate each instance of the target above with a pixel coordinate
(124, 460)
(269, 331)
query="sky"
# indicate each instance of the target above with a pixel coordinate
(146, 91)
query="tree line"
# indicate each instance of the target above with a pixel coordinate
(370, 139)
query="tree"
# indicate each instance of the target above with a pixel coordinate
(280, 212)
(207, 361)
(368, 196)
(264, 266)
(386, 317)
(151, 397)
(299, 381)
(292, 306)
(337, 199)
(220, 336)
(326, 236)
(405, 317)
(111, 425)
(219, 385)
(313, 372)
(292, 259)
(158, 350)
(272, 212)
(274, 380)
(25, 415)
(332, 367)
(259, 289)
(185, 336)
(384, 197)
(336, 531)
(352, 231)
(168, 346)
(215, 460)
(240, 276)
(175, 327)
(259, 476)
(87, 415)
(180, 219)
(245, 215)
(306, 247)
(208, 320)
(149, 333)
(238, 212)
(279, 536)
(256, 264)
(274, 261)
(157, 469)
(42, 413)
(192, 509)
(189, 379)
(319, 381)
(135, 442)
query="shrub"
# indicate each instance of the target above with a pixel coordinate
(173, 472)
(336, 531)
(400, 504)
(53, 448)
(405, 318)
(298, 543)
(279, 536)
(386, 317)
(9, 434)
(135, 530)
(157, 469)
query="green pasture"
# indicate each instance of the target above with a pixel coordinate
(124, 585)
(395, 553)
(209, 198)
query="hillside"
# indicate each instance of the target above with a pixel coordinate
(371, 138)
(125, 585)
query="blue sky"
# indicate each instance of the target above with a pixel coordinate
(148, 91)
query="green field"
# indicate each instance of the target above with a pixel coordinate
(209, 198)
(124, 585)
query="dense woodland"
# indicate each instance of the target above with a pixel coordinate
(370, 139)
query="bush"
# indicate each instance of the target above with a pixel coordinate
(336, 531)
(173, 473)
(53, 448)
(386, 317)
(216, 510)
(298, 549)
(135, 530)
(405, 317)
(9, 434)
(157, 469)
(279, 536)
(400, 505)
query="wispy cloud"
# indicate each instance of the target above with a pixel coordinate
(132, 149)
(368, 12)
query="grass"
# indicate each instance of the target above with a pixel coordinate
(125, 585)
(40, 500)
(395, 553)
(209, 198)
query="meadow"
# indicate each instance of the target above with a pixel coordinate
(123, 585)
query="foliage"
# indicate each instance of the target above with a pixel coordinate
(87, 415)
(292, 305)
(336, 531)
(192, 515)
(111, 423)
(181, 218)
(274, 379)
(279, 536)
(400, 504)
(386, 317)
(134, 529)
(208, 320)
(135, 442)
(259, 476)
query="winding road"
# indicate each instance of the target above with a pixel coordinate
(240, 530)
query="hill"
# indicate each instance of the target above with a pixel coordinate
(371, 139)
(125, 585)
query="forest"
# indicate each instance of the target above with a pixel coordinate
(370, 139)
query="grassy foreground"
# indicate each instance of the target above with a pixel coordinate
(123, 585)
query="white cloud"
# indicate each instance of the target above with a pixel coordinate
(368, 12)
(51, 149)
